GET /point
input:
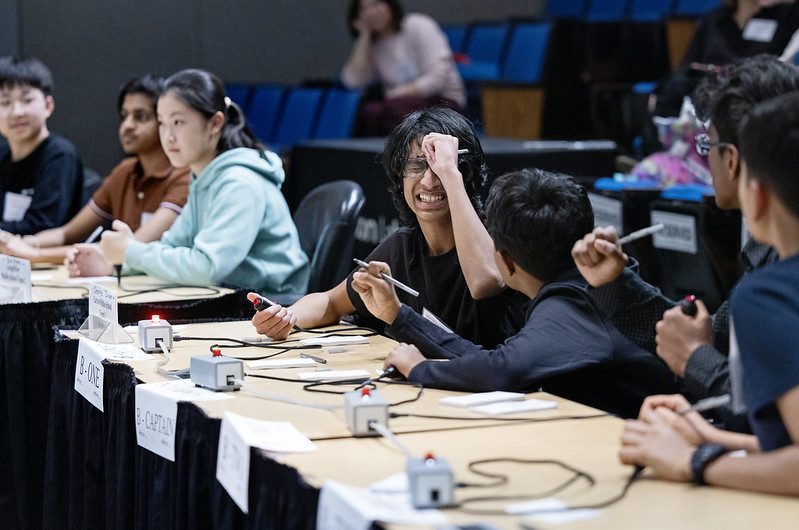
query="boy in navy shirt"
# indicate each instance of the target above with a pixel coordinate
(567, 345)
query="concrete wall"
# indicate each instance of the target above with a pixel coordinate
(93, 46)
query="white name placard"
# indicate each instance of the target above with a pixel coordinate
(157, 412)
(89, 372)
(679, 232)
(103, 308)
(607, 211)
(236, 435)
(15, 279)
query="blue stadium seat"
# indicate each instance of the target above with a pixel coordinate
(299, 115)
(695, 8)
(649, 10)
(526, 52)
(456, 34)
(485, 46)
(240, 94)
(565, 8)
(264, 108)
(606, 11)
(338, 114)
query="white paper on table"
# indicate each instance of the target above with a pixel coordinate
(333, 374)
(41, 277)
(122, 352)
(344, 507)
(90, 279)
(481, 398)
(553, 516)
(510, 407)
(335, 341)
(157, 412)
(236, 435)
(276, 364)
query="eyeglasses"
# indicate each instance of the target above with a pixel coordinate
(415, 167)
(703, 144)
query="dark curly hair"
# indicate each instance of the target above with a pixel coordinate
(412, 129)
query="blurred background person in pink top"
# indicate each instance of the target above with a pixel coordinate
(408, 55)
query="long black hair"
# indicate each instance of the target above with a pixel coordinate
(205, 93)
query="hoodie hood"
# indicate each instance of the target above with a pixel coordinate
(265, 163)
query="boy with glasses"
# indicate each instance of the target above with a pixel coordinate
(442, 249)
(685, 447)
(695, 348)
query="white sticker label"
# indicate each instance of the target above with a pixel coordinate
(607, 211)
(15, 206)
(760, 30)
(679, 232)
(89, 372)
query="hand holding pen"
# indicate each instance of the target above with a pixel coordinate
(271, 319)
(376, 288)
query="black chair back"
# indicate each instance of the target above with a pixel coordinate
(326, 220)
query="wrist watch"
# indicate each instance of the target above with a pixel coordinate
(705, 455)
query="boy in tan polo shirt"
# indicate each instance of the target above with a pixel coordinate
(144, 190)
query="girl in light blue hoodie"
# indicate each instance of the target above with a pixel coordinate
(236, 228)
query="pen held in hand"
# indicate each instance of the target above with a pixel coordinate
(94, 235)
(638, 234)
(389, 279)
(706, 404)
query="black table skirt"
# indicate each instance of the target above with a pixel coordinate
(26, 360)
(98, 477)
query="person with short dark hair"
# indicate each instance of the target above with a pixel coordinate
(567, 346)
(144, 190)
(765, 314)
(41, 174)
(695, 348)
(410, 56)
(442, 250)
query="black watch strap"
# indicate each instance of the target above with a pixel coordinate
(704, 455)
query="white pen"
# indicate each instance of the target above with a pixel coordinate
(93, 237)
(638, 234)
(462, 151)
(389, 279)
(706, 404)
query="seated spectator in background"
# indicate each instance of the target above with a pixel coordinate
(695, 348)
(236, 228)
(41, 175)
(567, 346)
(442, 250)
(734, 30)
(766, 330)
(144, 191)
(408, 54)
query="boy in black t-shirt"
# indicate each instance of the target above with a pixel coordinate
(41, 175)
